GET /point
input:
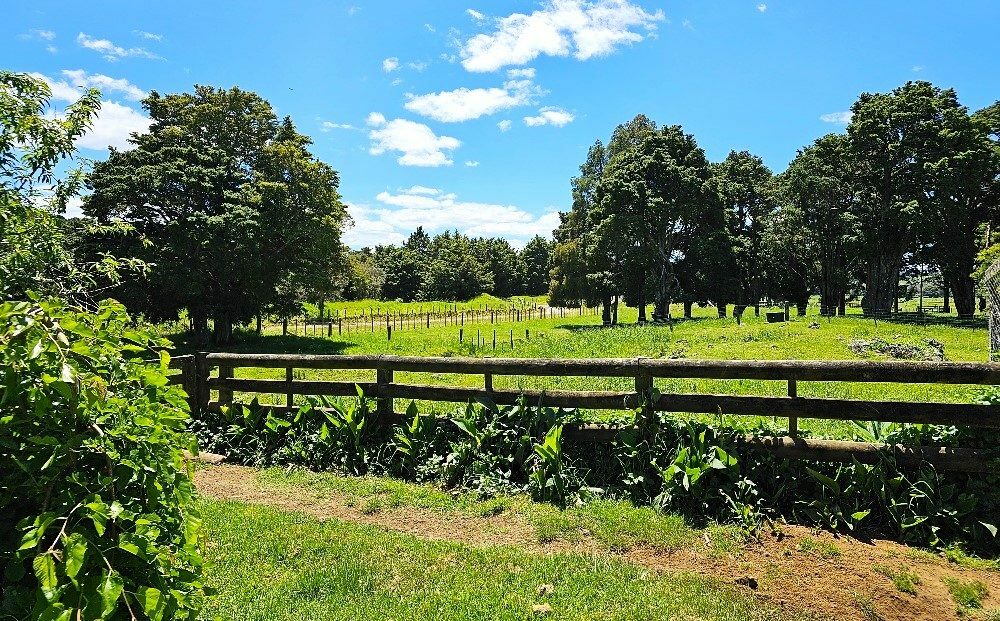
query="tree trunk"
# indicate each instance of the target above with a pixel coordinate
(687, 309)
(614, 312)
(722, 310)
(641, 299)
(947, 299)
(756, 309)
(199, 324)
(222, 332)
(842, 306)
(606, 310)
(260, 324)
(965, 296)
(882, 284)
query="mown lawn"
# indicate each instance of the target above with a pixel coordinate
(271, 565)
(704, 337)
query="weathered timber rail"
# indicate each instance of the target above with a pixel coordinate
(200, 382)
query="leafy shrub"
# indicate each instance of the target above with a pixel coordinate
(96, 514)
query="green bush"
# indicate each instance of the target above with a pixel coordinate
(96, 514)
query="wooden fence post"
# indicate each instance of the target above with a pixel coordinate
(225, 392)
(643, 388)
(289, 390)
(384, 406)
(793, 421)
(202, 394)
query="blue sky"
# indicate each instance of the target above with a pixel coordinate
(475, 115)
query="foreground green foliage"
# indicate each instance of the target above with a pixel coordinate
(96, 513)
(336, 570)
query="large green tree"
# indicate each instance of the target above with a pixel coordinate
(226, 200)
(745, 186)
(891, 138)
(535, 259)
(819, 187)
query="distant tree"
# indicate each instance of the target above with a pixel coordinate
(419, 241)
(404, 272)
(454, 273)
(745, 186)
(502, 262)
(819, 186)
(536, 257)
(225, 199)
(365, 277)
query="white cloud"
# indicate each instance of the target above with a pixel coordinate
(687, 25)
(113, 52)
(464, 104)
(326, 126)
(390, 64)
(399, 213)
(397, 81)
(418, 144)
(528, 73)
(430, 28)
(762, 7)
(917, 68)
(149, 36)
(51, 49)
(417, 66)
(472, 163)
(474, 14)
(108, 85)
(583, 28)
(550, 115)
(38, 33)
(115, 122)
(504, 125)
(353, 10)
(841, 118)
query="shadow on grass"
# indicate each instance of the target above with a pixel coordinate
(247, 341)
(632, 324)
(932, 319)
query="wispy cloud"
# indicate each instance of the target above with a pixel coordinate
(550, 115)
(419, 145)
(474, 14)
(326, 126)
(762, 7)
(472, 163)
(464, 104)
(581, 28)
(398, 213)
(840, 118)
(113, 52)
(39, 33)
(107, 85)
(149, 36)
(504, 125)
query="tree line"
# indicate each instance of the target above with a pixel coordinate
(915, 180)
(448, 266)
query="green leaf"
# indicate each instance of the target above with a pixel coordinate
(45, 571)
(110, 590)
(152, 602)
(76, 552)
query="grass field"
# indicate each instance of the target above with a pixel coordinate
(273, 565)
(703, 337)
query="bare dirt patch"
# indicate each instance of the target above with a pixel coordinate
(799, 569)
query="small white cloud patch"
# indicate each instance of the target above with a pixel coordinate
(550, 115)
(419, 145)
(504, 125)
(112, 52)
(472, 163)
(840, 118)
(762, 7)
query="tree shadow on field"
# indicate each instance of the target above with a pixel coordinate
(632, 324)
(247, 341)
(978, 322)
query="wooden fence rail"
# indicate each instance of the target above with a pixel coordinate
(199, 381)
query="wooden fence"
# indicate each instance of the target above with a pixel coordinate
(200, 381)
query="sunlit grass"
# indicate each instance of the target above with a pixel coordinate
(270, 565)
